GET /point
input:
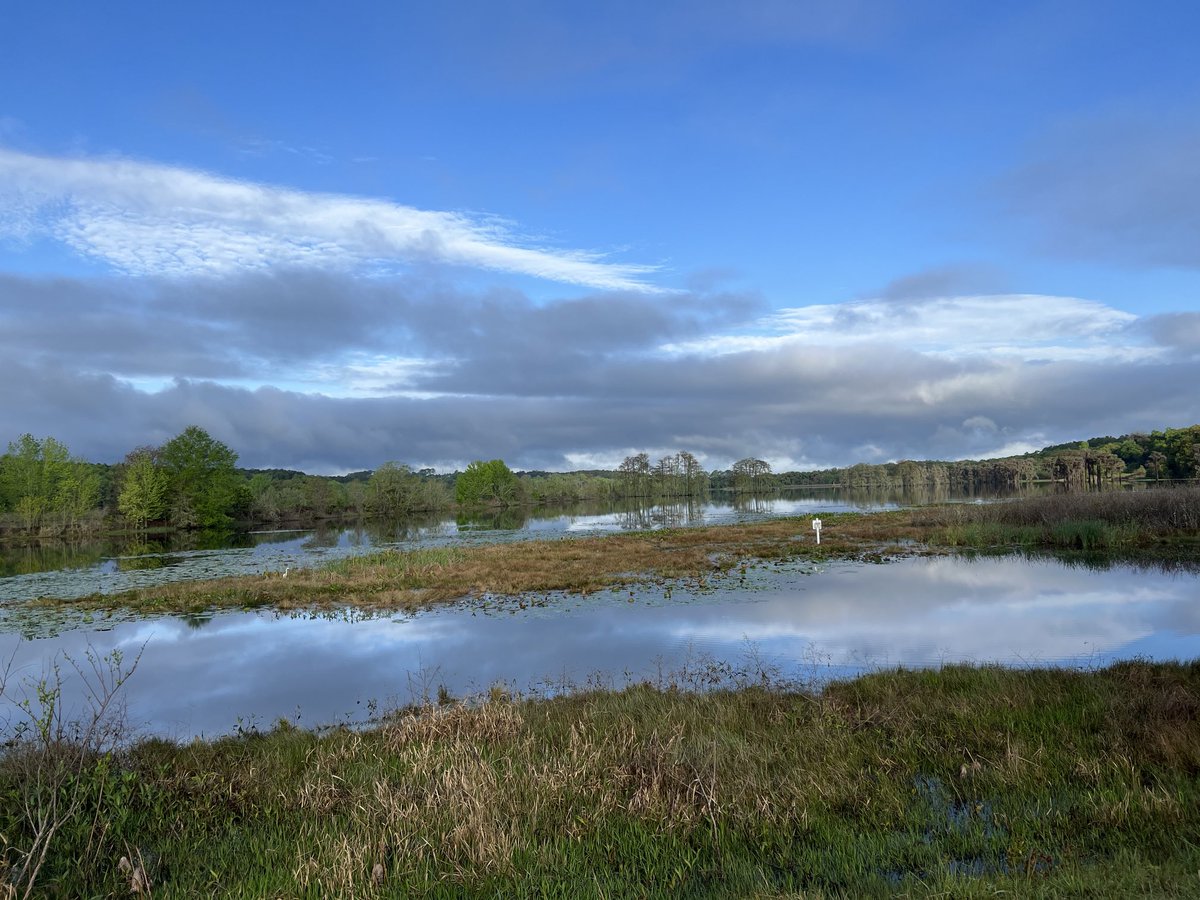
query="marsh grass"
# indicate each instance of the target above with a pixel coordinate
(1143, 521)
(1089, 522)
(960, 782)
(420, 577)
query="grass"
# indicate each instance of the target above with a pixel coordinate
(412, 579)
(1107, 520)
(963, 782)
(1149, 523)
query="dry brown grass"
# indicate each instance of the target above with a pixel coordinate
(418, 578)
(421, 577)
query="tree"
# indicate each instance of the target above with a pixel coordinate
(694, 477)
(667, 472)
(32, 473)
(78, 492)
(635, 475)
(486, 484)
(1156, 459)
(1106, 466)
(143, 496)
(751, 474)
(205, 488)
(391, 490)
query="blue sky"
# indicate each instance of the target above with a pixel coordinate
(816, 232)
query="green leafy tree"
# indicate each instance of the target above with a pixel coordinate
(78, 492)
(205, 488)
(144, 489)
(486, 484)
(32, 473)
(392, 490)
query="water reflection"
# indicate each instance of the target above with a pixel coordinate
(200, 674)
(108, 567)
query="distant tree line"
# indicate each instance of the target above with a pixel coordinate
(1170, 454)
(193, 482)
(674, 475)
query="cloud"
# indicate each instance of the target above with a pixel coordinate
(296, 324)
(1179, 331)
(1019, 325)
(149, 219)
(327, 372)
(1123, 188)
(818, 410)
(943, 281)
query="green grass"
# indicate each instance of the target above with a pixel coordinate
(1088, 535)
(961, 782)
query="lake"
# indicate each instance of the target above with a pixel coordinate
(74, 570)
(211, 674)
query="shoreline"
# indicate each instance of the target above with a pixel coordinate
(1134, 527)
(965, 781)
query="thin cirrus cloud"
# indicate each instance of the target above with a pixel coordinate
(151, 219)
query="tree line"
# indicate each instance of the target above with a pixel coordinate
(192, 482)
(1173, 453)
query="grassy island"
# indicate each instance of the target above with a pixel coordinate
(1156, 523)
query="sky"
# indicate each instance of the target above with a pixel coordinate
(818, 232)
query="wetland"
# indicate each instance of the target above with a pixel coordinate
(957, 698)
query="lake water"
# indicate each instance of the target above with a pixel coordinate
(61, 570)
(206, 675)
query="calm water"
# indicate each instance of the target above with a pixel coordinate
(205, 675)
(82, 569)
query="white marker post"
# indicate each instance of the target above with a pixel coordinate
(817, 529)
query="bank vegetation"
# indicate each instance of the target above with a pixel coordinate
(718, 781)
(192, 483)
(1154, 524)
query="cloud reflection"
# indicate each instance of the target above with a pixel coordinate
(917, 612)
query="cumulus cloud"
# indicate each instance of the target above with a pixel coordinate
(291, 325)
(146, 218)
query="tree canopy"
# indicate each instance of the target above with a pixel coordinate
(489, 483)
(205, 488)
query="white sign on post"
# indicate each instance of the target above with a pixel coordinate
(817, 529)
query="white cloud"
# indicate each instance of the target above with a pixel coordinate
(151, 219)
(371, 376)
(1017, 326)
